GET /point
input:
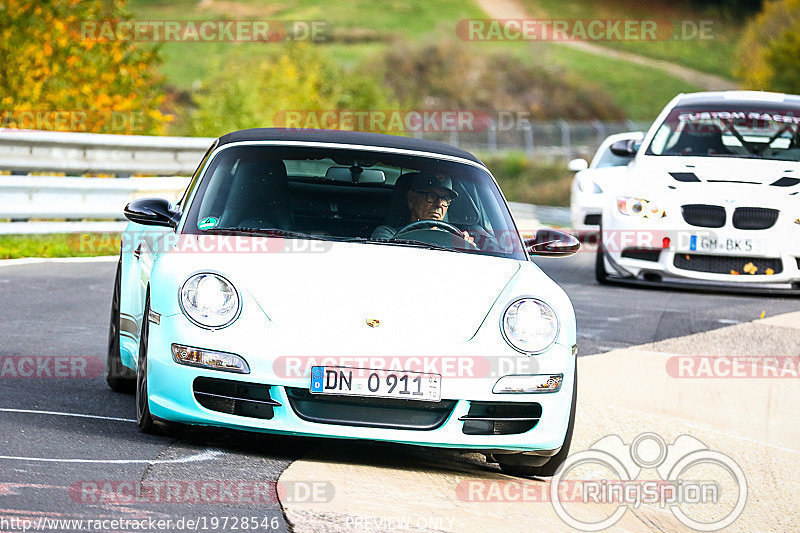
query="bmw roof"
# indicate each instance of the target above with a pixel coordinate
(722, 98)
(346, 137)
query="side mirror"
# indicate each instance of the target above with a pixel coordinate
(152, 212)
(576, 165)
(625, 148)
(552, 243)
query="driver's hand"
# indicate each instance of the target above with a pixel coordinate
(467, 237)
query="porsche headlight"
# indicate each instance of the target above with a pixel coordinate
(209, 300)
(530, 325)
(638, 207)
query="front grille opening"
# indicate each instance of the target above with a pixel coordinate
(642, 254)
(732, 265)
(369, 412)
(235, 397)
(704, 216)
(754, 218)
(798, 262)
(592, 220)
(492, 418)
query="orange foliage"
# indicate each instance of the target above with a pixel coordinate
(53, 78)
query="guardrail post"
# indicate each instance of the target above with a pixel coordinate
(491, 136)
(454, 137)
(527, 134)
(601, 131)
(566, 145)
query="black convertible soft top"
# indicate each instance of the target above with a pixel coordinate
(346, 137)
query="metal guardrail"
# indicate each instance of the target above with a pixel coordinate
(24, 151)
(75, 198)
(50, 197)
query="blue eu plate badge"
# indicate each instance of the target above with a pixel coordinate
(316, 379)
(693, 242)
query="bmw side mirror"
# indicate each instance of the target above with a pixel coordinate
(552, 243)
(625, 148)
(152, 212)
(576, 165)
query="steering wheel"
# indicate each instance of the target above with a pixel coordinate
(427, 224)
(430, 224)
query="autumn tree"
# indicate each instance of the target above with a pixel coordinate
(260, 91)
(768, 55)
(55, 75)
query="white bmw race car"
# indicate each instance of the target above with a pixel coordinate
(712, 198)
(586, 193)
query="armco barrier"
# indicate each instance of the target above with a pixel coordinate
(24, 151)
(79, 198)
(75, 199)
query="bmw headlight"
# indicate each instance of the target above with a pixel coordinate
(638, 207)
(530, 325)
(209, 300)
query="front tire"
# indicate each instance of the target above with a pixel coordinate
(552, 465)
(143, 418)
(119, 377)
(600, 272)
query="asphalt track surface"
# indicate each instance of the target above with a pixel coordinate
(49, 460)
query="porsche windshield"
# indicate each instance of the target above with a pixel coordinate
(736, 131)
(353, 195)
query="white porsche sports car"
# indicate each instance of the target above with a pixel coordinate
(712, 198)
(586, 193)
(346, 285)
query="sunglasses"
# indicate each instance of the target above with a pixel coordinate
(432, 197)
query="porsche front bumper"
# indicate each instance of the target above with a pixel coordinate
(173, 391)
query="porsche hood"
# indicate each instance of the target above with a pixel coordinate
(340, 289)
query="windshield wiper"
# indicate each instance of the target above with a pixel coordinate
(412, 242)
(264, 232)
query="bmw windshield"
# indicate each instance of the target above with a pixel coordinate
(757, 131)
(355, 196)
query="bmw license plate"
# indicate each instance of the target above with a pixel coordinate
(375, 383)
(703, 243)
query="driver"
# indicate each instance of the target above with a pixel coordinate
(428, 198)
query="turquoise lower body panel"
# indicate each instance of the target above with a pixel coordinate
(172, 398)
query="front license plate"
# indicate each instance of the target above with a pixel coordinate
(375, 383)
(703, 243)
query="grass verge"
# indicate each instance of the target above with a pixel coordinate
(531, 182)
(703, 38)
(59, 245)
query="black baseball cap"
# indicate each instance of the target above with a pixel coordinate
(425, 179)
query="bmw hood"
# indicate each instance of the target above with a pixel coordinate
(340, 289)
(782, 175)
